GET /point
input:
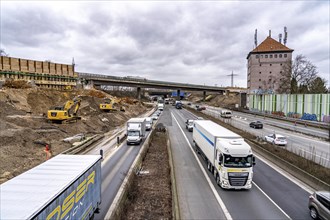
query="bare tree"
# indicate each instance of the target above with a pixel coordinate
(297, 73)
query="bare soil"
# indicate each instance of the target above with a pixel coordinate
(150, 195)
(23, 124)
(217, 100)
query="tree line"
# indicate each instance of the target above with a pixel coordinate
(300, 76)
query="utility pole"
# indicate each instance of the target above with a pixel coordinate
(232, 78)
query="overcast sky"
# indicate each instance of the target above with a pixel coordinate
(189, 41)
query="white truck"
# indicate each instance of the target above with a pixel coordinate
(148, 123)
(228, 156)
(64, 187)
(136, 129)
(160, 106)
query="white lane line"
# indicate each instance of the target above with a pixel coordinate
(286, 175)
(272, 201)
(221, 203)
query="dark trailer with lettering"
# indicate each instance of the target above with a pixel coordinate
(64, 187)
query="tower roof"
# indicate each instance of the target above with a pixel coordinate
(270, 45)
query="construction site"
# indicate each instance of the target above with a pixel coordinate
(31, 90)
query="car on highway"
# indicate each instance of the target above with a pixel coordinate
(154, 116)
(276, 139)
(319, 205)
(189, 124)
(201, 108)
(256, 124)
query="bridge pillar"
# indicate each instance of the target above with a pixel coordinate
(178, 94)
(204, 95)
(89, 85)
(138, 90)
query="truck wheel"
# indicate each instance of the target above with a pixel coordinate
(217, 179)
(209, 165)
(313, 213)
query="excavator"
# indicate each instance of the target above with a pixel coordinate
(65, 113)
(111, 105)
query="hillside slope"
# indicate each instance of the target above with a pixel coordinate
(23, 123)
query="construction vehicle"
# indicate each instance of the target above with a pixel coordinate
(68, 112)
(111, 105)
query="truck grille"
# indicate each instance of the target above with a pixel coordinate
(238, 179)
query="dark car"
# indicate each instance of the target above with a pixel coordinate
(201, 108)
(256, 124)
(319, 205)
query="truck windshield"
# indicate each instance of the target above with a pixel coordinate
(133, 133)
(238, 161)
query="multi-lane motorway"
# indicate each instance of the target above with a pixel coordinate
(274, 195)
(313, 146)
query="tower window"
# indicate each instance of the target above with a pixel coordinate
(275, 56)
(259, 80)
(266, 56)
(257, 56)
(270, 64)
(259, 72)
(285, 55)
(270, 56)
(280, 56)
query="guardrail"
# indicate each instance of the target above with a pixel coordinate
(293, 120)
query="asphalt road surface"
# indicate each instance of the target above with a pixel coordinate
(273, 195)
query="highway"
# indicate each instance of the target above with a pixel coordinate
(273, 195)
(310, 147)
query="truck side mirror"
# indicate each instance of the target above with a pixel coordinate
(220, 159)
(253, 161)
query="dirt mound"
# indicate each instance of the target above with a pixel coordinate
(23, 123)
(217, 100)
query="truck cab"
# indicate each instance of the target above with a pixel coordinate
(136, 128)
(148, 123)
(134, 135)
(160, 106)
(178, 104)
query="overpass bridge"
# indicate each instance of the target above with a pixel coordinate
(99, 80)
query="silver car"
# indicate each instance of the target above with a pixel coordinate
(319, 205)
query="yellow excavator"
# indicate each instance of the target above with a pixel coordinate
(65, 113)
(111, 105)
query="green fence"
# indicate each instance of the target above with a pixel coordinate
(293, 105)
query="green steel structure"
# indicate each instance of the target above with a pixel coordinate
(318, 104)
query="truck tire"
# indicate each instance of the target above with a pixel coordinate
(209, 166)
(217, 179)
(313, 213)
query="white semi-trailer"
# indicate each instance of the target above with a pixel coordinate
(64, 187)
(228, 156)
